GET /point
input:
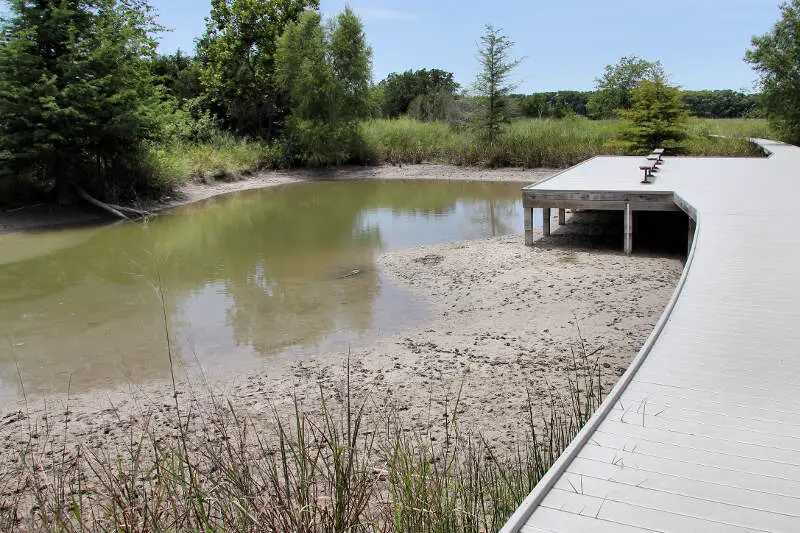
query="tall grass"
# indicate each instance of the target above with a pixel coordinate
(351, 468)
(734, 128)
(225, 157)
(541, 143)
(526, 143)
(529, 143)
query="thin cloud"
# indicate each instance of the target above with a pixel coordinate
(371, 14)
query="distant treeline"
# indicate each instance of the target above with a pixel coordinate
(701, 104)
(433, 94)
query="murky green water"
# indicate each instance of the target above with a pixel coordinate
(256, 275)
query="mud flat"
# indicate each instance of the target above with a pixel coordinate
(505, 324)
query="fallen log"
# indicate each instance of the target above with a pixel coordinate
(138, 212)
(97, 203)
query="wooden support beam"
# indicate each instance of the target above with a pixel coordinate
(601, 205)
(546, 221)
(628, 229)
(562, 216)
(603, 200)
(528, 226)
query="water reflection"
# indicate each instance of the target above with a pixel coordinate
(279, 271)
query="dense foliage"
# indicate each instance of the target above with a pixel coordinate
(179, 75)
(238, 57)
(776, 57)
(77, 98)
(424, 94)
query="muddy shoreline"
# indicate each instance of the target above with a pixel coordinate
(506, 322)
(51, 216)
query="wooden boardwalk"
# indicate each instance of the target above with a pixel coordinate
(702, 433)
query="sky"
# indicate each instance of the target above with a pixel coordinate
(565, 43)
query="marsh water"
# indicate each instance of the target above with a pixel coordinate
(237, 280)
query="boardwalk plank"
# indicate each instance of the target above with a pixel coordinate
(706, 434)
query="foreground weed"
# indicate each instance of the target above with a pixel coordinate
(210, 467)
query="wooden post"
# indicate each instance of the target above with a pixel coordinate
(562, 217)
(546, 221)
(628, 229)
(528, 226)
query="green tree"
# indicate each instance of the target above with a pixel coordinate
(351, 59)
(426, 94)
(491, 85)
(657, 117)
(553, 104)
(190, 119)
(436, 96)
(179, 74)
(399, 90)
(776, 58)
(536, 105)
(721, 104)
(238, 57)
(77, 97)
(614, 88)
(326, 78)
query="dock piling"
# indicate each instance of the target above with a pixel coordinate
(546, 221)
(628, 229)
(528, 226)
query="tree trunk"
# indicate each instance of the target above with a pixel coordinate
(63, 190)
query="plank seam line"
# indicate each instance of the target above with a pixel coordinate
(694, 387)
(637, 468)
(661, 411)
(688, 496)
(638, 453)
(728, 374)
(682, 446)
(661, 402)
(706, 437)
(535, 498)
(639, 419)
(606, 520)
(622, 502)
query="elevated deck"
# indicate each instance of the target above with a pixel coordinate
(702, 433)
